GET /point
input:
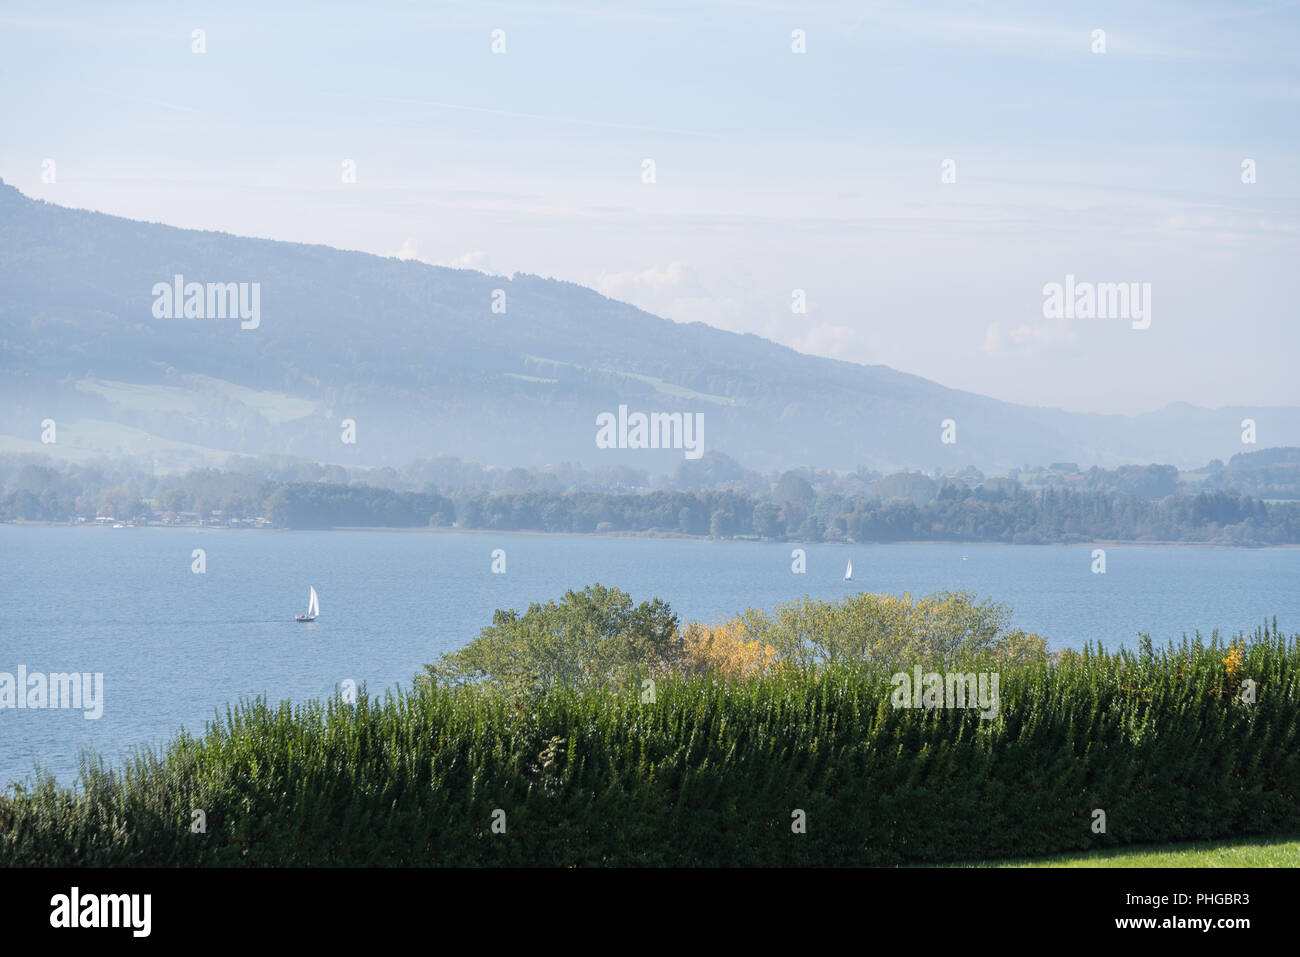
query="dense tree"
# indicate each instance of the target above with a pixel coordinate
(592, 638)
(793, 487)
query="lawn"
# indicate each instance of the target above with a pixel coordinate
(1246, 852)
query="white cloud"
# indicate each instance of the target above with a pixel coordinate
(474, 260)
(656, 285)
(1050, 335)
(718, 311)
(830, 340)
(408, 250)
(993, 339)
(675, 292)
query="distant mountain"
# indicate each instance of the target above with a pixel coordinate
(1264, 458)
(420, 360)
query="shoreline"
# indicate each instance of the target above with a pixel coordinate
(669, 536)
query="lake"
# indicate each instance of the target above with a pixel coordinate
(175, 646)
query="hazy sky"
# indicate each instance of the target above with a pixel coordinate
(775, 171)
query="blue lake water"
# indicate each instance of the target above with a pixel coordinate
(175, 646)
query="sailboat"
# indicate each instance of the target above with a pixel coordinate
(848, 572)
(313, 608)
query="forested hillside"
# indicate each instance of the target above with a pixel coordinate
(428, 361)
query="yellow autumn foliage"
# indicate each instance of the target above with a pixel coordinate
(721, 649)
(871, 629)
(1233, 662)
(891, 630)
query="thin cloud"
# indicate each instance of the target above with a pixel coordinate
(544, 117)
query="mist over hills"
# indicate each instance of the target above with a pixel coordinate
(418, 358)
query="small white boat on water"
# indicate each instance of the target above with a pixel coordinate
(313, 608)
(848, 572)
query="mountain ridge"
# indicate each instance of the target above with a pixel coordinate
(417, 357)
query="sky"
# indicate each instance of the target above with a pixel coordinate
(773, 170)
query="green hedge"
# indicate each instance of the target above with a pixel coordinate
(709, 773)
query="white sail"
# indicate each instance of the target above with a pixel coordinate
(313, 606)
(848, 572)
